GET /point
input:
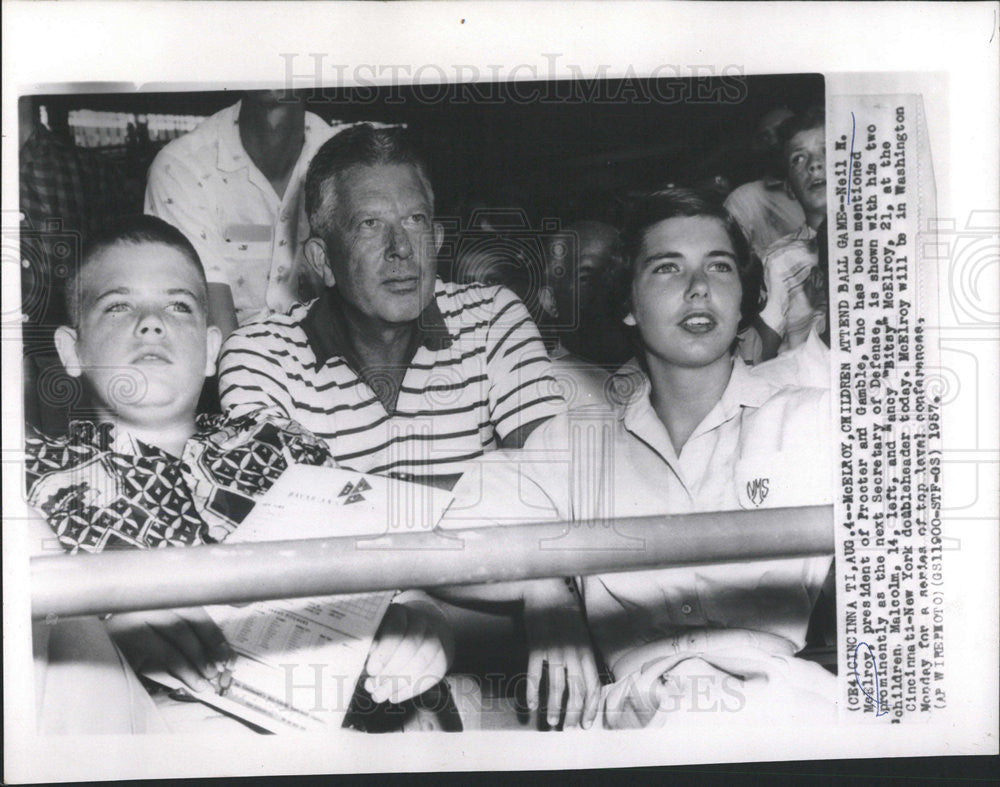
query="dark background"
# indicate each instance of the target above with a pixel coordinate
(555, 149)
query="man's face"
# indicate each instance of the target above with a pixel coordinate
(581, 281)
(805, 158)
(766, 136)
(142, 342)
(384, 251)
(686, 291)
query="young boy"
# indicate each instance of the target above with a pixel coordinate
(147, 473)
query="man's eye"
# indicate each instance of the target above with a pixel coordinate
(368, 224)
(419, 218)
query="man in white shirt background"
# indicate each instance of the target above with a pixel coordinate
(233, 186)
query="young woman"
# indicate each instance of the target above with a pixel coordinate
(692, 431)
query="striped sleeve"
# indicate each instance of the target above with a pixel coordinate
(251, 377)
(522, 388)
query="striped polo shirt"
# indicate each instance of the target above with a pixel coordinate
(478, 370)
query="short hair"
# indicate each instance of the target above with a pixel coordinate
(658, 206)
(363, 145)
(813, 117)
(599, 229)
(128, 230)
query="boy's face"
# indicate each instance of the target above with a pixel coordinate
(805, 155)
(142, 343)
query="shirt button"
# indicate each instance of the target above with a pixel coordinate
(686, 609)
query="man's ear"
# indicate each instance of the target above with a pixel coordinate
(213, 341)
(65, 338)
(315, 252)
(547, 300)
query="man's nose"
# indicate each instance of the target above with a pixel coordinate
(399, 243)
(817, 164)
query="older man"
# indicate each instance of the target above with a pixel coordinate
(401, 373)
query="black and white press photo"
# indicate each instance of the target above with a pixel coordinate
(395, 400)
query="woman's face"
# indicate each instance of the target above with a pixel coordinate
(686, 291)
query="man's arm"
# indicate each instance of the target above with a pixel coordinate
(519, 436)
(523, 391)
(250, 377)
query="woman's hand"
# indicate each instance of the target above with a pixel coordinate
(558, 642)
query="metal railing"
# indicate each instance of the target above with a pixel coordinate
(119, 581)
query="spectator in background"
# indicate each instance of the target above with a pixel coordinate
(790, 314)
(66, 193)
(766, 209)
(234, 187)
(807, 363)
(587, 341)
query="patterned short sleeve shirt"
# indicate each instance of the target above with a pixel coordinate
(99, 489)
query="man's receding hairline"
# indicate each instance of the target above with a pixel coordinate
(330, 187)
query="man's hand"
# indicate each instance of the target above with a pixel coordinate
(558, 639)
(411, 653)
(184, 643)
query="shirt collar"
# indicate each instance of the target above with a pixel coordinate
(631, 388)
(232, 155)
(326, 329)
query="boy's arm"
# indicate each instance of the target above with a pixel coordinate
(184, 643)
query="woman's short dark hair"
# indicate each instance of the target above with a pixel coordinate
(651, 209)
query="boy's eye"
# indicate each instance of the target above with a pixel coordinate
(181, 306)
(118, 306)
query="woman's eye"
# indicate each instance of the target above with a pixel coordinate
(666, 267)
(722, 266)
